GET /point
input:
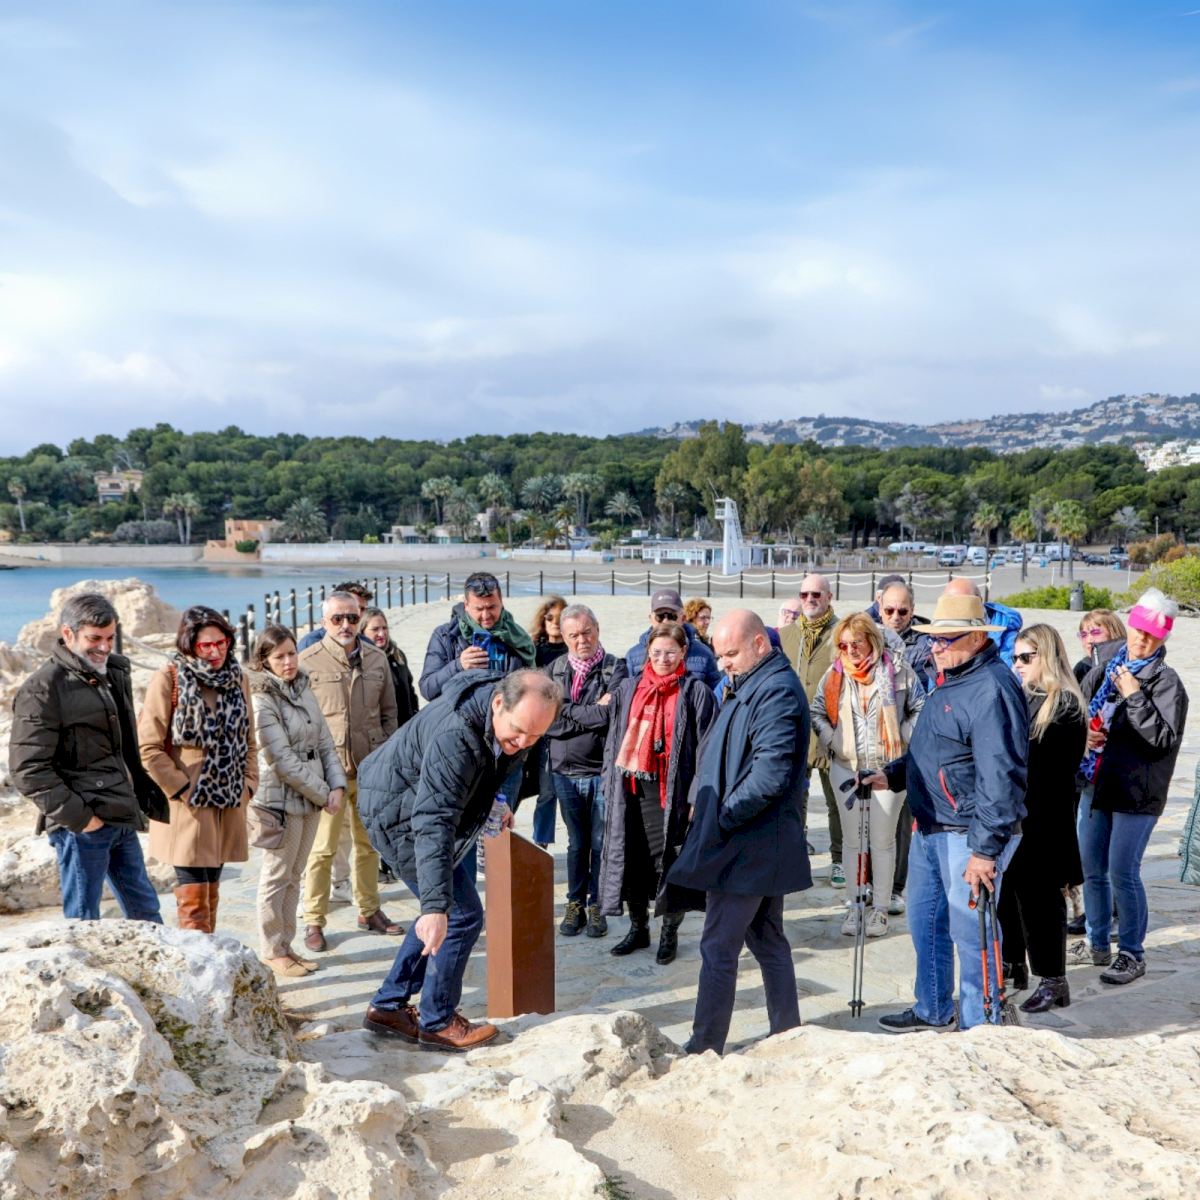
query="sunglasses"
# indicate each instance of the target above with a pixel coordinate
(896, 612)
(940, 643)
(846, 647)
(344, 618)
(482, 587)
(811, 595)
(666, 614)
(1025, 658)
(1084, 634)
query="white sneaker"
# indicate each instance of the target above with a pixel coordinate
(850, 924)
(897, 905)
(340, 893)
(877, 923)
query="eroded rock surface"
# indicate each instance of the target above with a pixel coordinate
(141, 609)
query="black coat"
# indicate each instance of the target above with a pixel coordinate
(1049, 845)
(402, 681)
(446, 643)
(576, 739)
(74, 748)
(1143, 743)
(1097, 657)
(424, 795)
(747, 834)
(695, 712)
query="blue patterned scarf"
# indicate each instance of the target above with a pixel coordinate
(1104, 703)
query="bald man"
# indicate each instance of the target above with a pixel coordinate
(997, 614)
(746, 848)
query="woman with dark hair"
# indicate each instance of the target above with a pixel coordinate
(1033, 911)
(1101, 635)
(548, 645)
(375, 630)
(299, 776)
(197, 743)
(658, 721)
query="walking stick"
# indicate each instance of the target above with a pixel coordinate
(997, 1008)
(979, 903)
(862, 794)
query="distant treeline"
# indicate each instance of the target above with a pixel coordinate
(541, 484)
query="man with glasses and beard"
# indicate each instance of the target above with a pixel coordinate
(666, 608)
(352, 682)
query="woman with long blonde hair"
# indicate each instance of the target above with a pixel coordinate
(1033, 910)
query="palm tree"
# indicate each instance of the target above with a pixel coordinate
(622, 505)
(542, 492)
(303, 522)
(493, 491)
(437, 489)
(172, 506)
(670, 496)
(818, 529)
(460, 511)
(987, 517)
(1023, 527)
(580, 487)
(1069, 522)
(16, 489)
(190, 507)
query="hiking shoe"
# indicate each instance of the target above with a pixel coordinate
(1081, 954)
(1125, 969)
(877, 923)
(459, 1036)
(837, 877)
(573, 919)
(897, 904)
(908, 1022)
(597, 924)
(850, 922)
(398, 1022)
(1077, 925)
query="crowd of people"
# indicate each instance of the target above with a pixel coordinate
(956, 753)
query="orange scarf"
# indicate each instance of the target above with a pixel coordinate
(645, 751)
(880, 672)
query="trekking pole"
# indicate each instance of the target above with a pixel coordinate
(979, 904)
(862, 794)
(1005, 1013)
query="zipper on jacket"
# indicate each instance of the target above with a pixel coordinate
(945, 789)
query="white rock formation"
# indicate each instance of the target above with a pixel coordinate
(139, 606)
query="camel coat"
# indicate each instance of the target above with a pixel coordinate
(194, 837)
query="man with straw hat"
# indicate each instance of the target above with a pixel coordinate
(965, 771)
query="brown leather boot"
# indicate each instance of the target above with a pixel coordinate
(191, 901)
(214, 894)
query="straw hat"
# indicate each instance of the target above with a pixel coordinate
(959, 614)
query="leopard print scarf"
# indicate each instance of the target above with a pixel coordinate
(222, 732)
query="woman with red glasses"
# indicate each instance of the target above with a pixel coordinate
(1101, 635)
(196, 739)
(863, 714)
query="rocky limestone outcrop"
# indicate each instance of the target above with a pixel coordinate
(148, 1062)
(141, 610)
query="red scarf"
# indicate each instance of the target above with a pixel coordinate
(645, 751)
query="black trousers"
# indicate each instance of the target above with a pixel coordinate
(186, 875)
(731, 922)
(640, 883)
(1033, 918)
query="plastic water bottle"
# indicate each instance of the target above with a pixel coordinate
(495, 822)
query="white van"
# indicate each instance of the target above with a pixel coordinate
(952, 556)
(977, 556)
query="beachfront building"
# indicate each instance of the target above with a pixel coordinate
(115, 487)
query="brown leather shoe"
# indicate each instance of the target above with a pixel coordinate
(459, 1036)
(377, 922)
(398, 1022)
(314, 939)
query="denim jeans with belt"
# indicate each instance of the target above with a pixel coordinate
(437, 977)
(582, 804)
(1111, 846)
(111, 852)
(940, 922)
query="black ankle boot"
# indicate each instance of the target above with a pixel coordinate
(668, 940)
(1017, 976)
(1052, 992)
(638, 937)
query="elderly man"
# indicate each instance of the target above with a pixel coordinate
(426, 795)
(587, 675)
(352, 682)
(1006, 621)
(789, 612)
(965, 772)
(481, 635)
(896, 610)
(808, 644)
(746, 848)
(74, 753)
(666, 608)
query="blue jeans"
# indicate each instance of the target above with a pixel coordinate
(582, 804)
(940, 922)
(111, 852)
(1111, 846)
(439, 977)
(543, 814)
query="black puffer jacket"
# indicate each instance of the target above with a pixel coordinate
(424, 795)
(1143, 743)
(576, 739)
(74, 749)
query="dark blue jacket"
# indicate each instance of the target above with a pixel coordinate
(446, 643)
(1006, 641)
(700, 661)
(966, 762)
(747, 834)
(424, 795)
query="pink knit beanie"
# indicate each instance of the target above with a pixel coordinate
(1154, 614)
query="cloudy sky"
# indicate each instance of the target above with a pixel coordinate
(429, 219)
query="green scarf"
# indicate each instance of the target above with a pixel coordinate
(505, 630)
(810, 631)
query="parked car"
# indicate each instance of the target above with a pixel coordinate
(1096, 560)
(1016, 557)
(998, 560)
(977, 556)
(952, 556)
(1116, 550)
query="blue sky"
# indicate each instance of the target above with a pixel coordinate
(424, 220)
